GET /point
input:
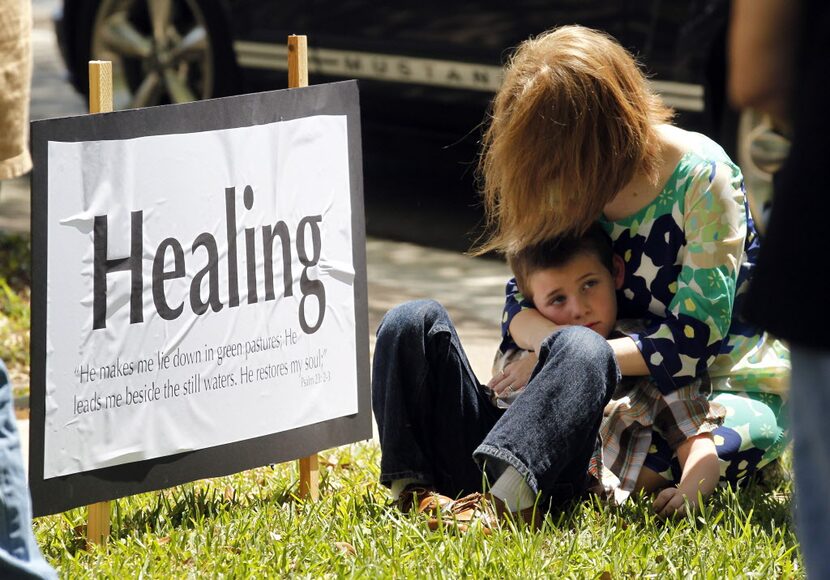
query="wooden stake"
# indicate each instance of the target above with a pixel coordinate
(298, 77)
(297, 61)
(100, 86)
(100, 101)
(310, 477)
(98, 523)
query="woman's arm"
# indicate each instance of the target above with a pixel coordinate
(629, 358)
(682, 340)
(761, 59)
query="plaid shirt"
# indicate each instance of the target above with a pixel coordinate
(636, 410)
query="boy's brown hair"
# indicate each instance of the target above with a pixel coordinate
(557, 252)
(572, 123)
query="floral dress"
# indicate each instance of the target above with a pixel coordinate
(688, 258)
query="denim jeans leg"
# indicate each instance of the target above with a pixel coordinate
(19, 554)
(549, 433)
(430, 409)
(809, 402)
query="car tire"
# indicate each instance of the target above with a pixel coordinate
(182, 52)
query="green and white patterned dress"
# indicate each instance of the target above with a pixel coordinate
(689, 256)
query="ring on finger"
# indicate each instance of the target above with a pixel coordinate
(510, 388)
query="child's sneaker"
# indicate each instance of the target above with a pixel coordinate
(460, 514)
(412, 496)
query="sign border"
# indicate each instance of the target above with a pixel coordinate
(66, 492)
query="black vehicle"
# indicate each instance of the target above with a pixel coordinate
(427, 69)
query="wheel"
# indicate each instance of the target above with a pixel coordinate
(761, 151)
(162, 51)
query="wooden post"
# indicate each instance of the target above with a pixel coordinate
(100, 101)
(98, 523)
(298, 77)
(310, 477)
(297, 61)
(100, 86)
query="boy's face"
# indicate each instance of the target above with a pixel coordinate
(580, 292)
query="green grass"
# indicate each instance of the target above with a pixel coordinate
(251, 525)
(14, 325)
(15, 281)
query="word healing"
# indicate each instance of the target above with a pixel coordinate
(207, 245)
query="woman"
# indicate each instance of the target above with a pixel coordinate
(577, 136)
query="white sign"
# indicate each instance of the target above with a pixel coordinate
(200, 290)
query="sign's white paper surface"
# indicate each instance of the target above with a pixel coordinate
(135, 390)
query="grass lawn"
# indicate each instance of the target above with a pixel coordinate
(15, 282)
(251, 525)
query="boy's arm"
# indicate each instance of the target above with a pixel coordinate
(529, 329)
(701, 471)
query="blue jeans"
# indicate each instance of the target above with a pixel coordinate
(437, 424)
(809, 404)
(19, 554)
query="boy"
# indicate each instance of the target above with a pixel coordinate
(573, 281)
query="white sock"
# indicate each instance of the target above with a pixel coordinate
(513, 490)
(398, 485)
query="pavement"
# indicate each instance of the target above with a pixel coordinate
(470, 288)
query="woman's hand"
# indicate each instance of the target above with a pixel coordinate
(514, 376)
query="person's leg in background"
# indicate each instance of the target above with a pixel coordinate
(810, 401)
(19, 554)
(15, 82)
